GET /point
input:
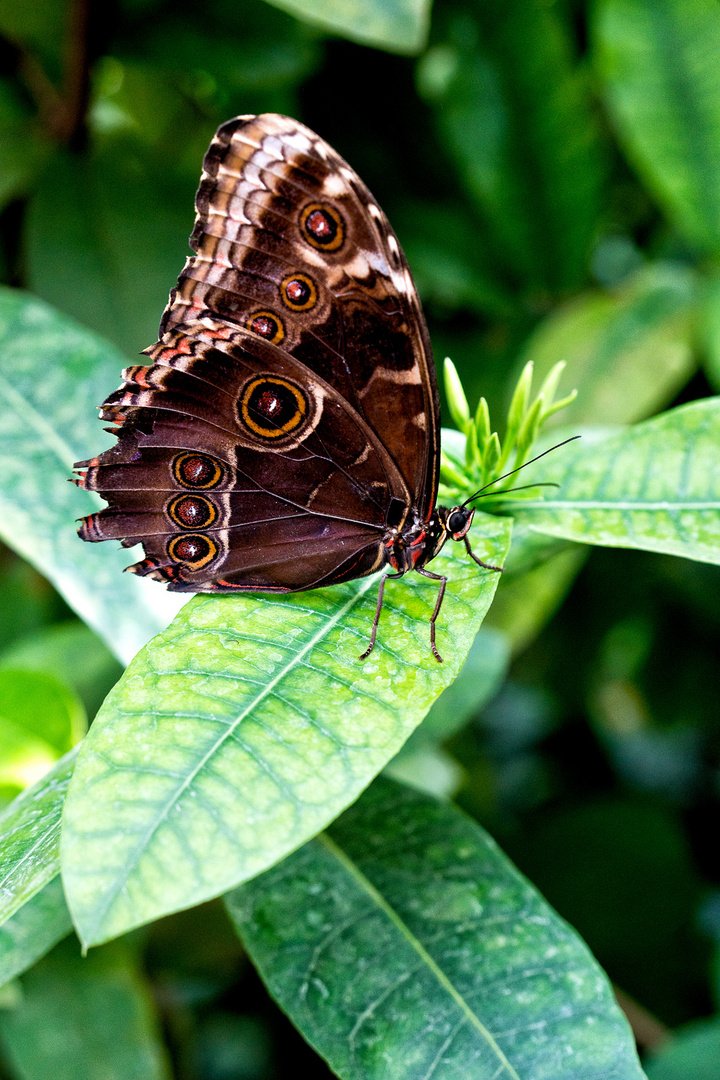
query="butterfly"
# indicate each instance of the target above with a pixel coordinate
(285, 434)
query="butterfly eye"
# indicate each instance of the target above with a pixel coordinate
(267, 325)
(299, 292)
(193, 551)
(272, 407)
(322, 226)
(197, 471)
(192, 512)
(458, 523)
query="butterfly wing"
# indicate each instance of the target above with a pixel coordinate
(223, 468)
(290, 243)
(291, 406)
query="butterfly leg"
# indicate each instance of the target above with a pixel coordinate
(376, 620)
(436, 612)
(472, 555)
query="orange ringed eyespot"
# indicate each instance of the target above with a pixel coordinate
(266, 325)
(272, 407)
(192, 551)
(193, 512)
(197, 471)
(322, 226)
(298, 292)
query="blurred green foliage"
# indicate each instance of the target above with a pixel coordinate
(553, 172)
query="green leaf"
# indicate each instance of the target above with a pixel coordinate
(53, 374)
(403, 944)
(246, 727)
(709, 331)
(33, 930)
(630, 351)
(421, 762)
(479, 680)
(95, 1017)
(29, 838)
(692, 1053)
(514, 110)
(655, 487)
(658, 62)
(400, 26)
(70, 651)
(525, 603)
(40, 720)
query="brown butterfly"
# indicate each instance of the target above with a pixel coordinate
(286, 434)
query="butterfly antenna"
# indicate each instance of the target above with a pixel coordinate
(512, 471)
(523, 487)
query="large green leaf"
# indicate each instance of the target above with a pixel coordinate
(514, 110)
(399, 26)
(86, 1018)
(404, 945)
(30, 837)
(246, 727)
(655, 486)
(658, 62)
(53, 375)
(33, 930)
(628, 352)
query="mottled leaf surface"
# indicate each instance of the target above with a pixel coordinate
(53, 375)
(404, 945)
(246, 727)
(33, 930)
(655, 486)
(30, 838)
(396, 25)
(479, 679)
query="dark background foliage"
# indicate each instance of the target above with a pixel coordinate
(528, 206)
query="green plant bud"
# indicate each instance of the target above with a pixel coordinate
(459, 408)
(482, 422)
(557, 405)
(529, 430)
(550, 385)
(491, 457)
(516, 413)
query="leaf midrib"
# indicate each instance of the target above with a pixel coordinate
(616, 504)
(364, 585)
(378, 899)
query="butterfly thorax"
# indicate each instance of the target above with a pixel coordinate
(417, 542)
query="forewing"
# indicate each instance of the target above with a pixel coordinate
(290, 244)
